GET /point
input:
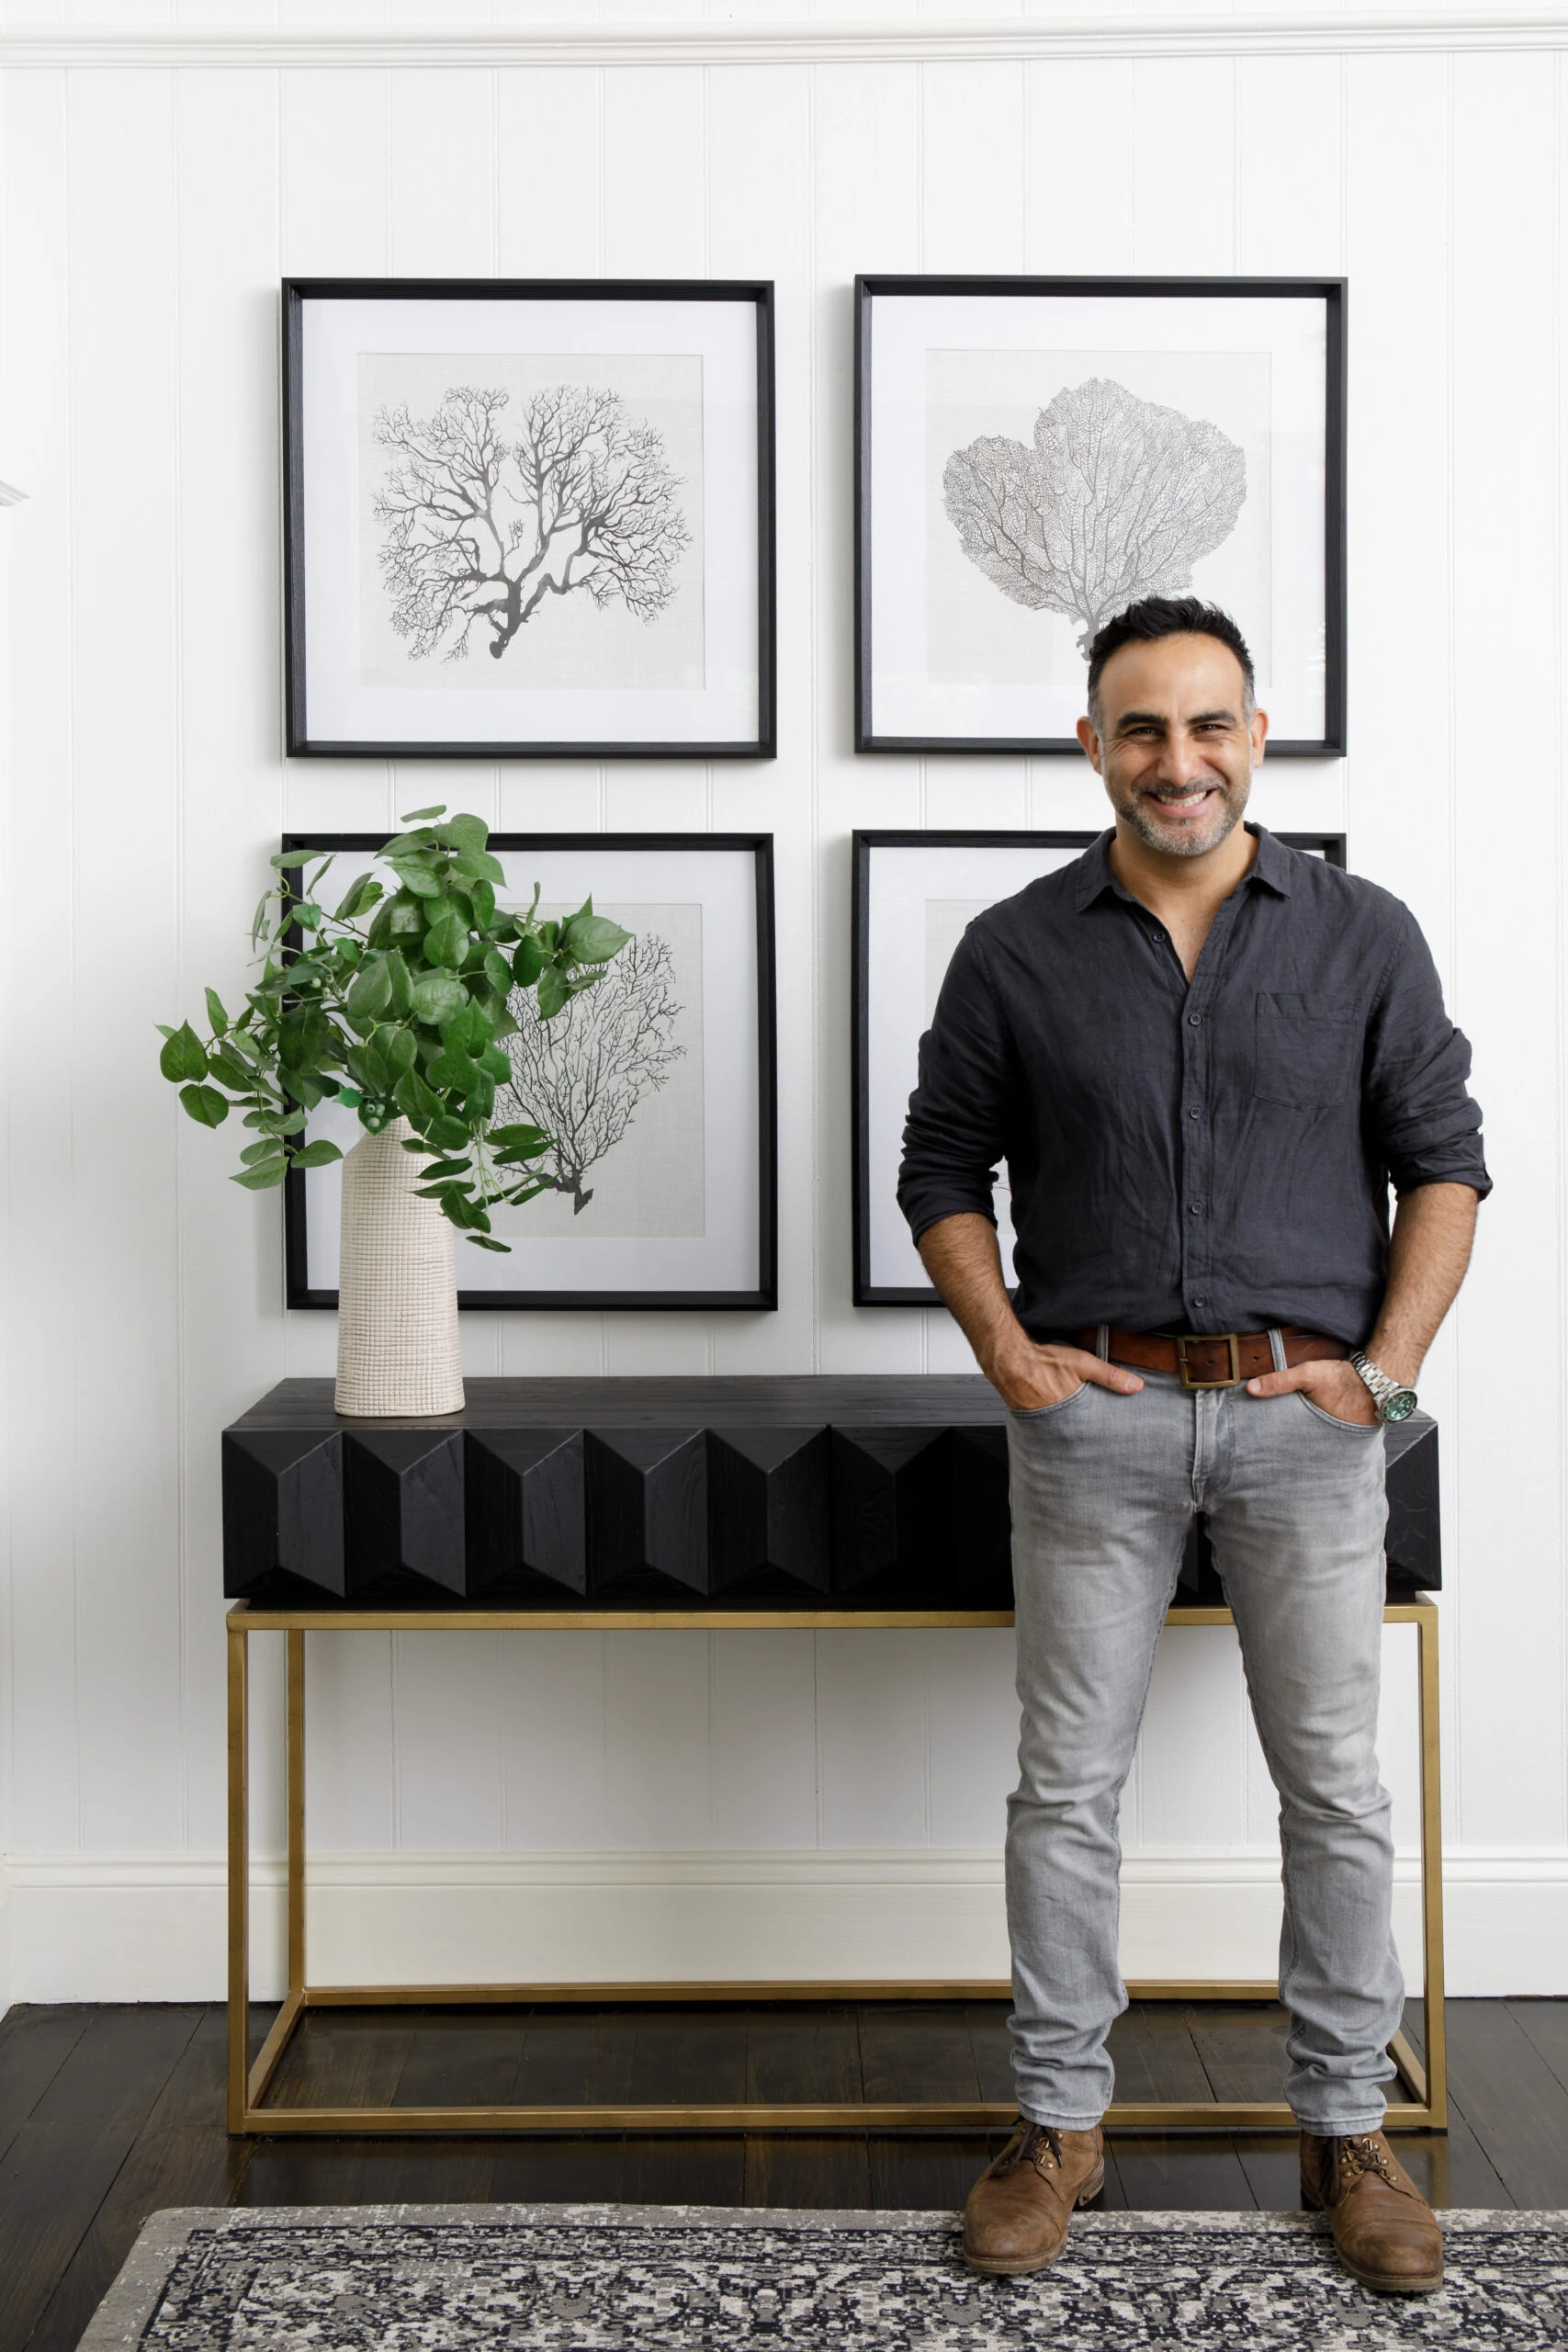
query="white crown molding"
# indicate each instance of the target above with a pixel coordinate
(821, 42)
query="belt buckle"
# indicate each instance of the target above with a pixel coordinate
(1208, 1340)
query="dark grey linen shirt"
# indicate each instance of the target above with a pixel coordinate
(1211, 1157)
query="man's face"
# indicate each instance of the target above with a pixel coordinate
(1177, 751)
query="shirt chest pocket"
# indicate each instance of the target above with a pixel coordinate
(1308, 1050)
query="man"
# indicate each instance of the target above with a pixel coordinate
(1203, 1058)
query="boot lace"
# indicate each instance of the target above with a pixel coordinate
(1035, 2143)
(1360, 2153)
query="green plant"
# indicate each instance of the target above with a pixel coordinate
(392, 1003)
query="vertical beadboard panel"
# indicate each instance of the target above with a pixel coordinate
(1184, 164)
(228, 655)
(1507, 653)
(42, 1729)
(867, 178)
(126, 1245)
(1399, 777)
(760, 225)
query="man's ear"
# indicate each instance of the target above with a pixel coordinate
(1259, 734)
(1090, 743)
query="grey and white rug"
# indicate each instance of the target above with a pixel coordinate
(689, 2278)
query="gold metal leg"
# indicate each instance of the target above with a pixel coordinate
(1437, 2036)
(247, 2088)
(239, 1871)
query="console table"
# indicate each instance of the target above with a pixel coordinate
(684, 1505)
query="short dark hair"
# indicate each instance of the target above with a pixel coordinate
(1157, 616)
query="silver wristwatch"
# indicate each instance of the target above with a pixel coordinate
(1394, 1403)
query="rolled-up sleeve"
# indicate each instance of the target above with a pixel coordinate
(955, 1133)
(1419, 1112)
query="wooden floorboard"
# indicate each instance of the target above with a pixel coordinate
(108, 2114)
(62, 2163)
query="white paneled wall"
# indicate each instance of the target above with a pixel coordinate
(846, 1788)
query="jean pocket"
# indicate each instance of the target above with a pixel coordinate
(1043, 1413)
(1351, 1429)
(1307, 1050)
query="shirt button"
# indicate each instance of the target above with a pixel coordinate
(1194, 1114)
(1194, 1020)
(1196, 1207)
(1199, 1299)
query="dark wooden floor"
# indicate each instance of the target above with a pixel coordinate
(107, 2114)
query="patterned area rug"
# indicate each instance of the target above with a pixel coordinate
(608, 2279)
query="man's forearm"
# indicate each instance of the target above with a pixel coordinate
(1428, 1250)
(961, 1255)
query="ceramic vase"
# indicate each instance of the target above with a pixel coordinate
(397, 1326)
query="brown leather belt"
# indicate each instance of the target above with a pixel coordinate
(1218, 1360)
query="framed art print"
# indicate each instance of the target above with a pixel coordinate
(528, 518)
(914, 894)
(1034, 454)
(656, 1085)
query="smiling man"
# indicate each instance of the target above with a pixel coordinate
(1204, 1059)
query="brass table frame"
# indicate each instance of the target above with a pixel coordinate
(1427, 2109)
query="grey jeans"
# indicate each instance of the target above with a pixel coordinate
(1104, 1488)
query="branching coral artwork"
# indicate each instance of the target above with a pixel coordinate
(1118, 498)
(582, 1076)
(481, 523)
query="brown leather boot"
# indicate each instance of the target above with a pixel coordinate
(1386, 2233)
(1019, 2209)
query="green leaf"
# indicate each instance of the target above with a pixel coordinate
(553, 993)
(449, 1133)
(316, 1155)
(483, 899)
(453, 1071)
(184, 1056)
(217, 1018)
(348, 1098)
(291, 858)
(529, 961)
(359, 898)
(494, 1063)
(437, 999)
(443, 1170)
(418, 1104)
(549, 937)
(263, 1178)
(498, 972)
(307, 914)
(229, 1068)
(369, 997)
(521, 1192)
(466, 832)
(520, 1137)
(418, 871)
(446, 940)
(368, 1071)
(478, 865)
(205, 1105)
(282, 1124)
(303, 1089)
(415, 816)
(487, 1242)
(592, 939)
(401, 981)
(398, 1049)
(237, 1041)
(401, 917)
(265, 1149)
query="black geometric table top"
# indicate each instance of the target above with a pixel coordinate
(872, 1492)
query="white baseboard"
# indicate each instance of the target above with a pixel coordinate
(150, 1927)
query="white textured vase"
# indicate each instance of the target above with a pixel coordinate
(397, 1321)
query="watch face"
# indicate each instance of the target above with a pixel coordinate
(1400, 1405)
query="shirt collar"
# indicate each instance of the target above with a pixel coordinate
(1271, 866)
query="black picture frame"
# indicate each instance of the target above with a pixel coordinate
(1332, 291)
(300, 742)
(299, 1291)
(866, 841)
